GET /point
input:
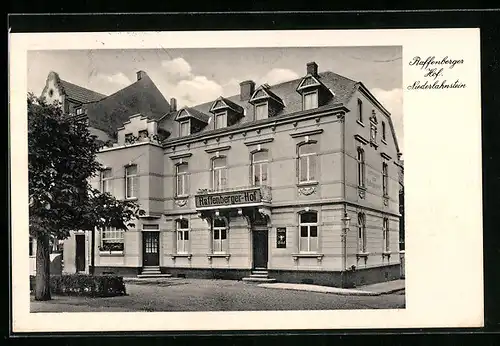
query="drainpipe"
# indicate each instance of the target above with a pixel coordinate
(344, 192)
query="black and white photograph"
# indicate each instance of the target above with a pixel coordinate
(200, 178)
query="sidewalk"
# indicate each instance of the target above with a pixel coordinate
(368, 290)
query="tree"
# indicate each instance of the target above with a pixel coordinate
(62, 158)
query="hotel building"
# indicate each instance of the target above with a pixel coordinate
(294, 182)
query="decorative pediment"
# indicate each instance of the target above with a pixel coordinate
(223, 104)
(263, 93)
(308, 81)
(191, 113)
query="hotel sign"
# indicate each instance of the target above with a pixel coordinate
(228, 198)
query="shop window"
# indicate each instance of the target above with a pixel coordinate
(219, 173)
(260, 165)
(307, 162)
(219, 234)
(182, 178)
(131, 182)
(112, 239)
(308, 226)
(182, 231)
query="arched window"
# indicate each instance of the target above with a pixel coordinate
(260, 164)
(219, 173)
(308, 225)
(219, 236)
(182, 230)
(182, 179)
(307, 162)
(361, 233)
(361, 167)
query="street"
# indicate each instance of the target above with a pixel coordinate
(175, 294)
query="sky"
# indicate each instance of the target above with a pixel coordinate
(195, 76)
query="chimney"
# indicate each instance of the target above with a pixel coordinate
(247, 88)
(173, 105)
(140, 74)
(312, 68)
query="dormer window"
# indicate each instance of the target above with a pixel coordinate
(185, 128)
(310, 100)
(261, 111)
(79, 111)
(220, 120)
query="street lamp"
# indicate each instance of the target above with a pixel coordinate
(346, 221)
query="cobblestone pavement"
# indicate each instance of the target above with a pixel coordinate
(214, 295)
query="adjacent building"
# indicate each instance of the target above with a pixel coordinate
(295, 182)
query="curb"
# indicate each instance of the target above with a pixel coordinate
(328, 290)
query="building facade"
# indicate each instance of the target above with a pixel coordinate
(297, 182)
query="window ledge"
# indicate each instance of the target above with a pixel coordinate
(131, 198)
(111, 253)
(296, 256)
(383, 141)
(181, 197)
(362, 254)
(307, 183)
(386, 254)
(361, 187)
(184, 255)
(218, 255)
(360, 123)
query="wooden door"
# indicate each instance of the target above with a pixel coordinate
(150, 249)
(260, 249)
(80, 252)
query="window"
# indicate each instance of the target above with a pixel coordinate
(129, 137)
(383, 130)
(220, 120)
(360, 111)
(385, 228)
(260, 168)
(182, 179)
(308, 232)
(219, 171)
(361, 167)
(261, 111)
(182, 236)
(106, 180)
(31, 248)
(79, 111)
(385, 178)
(361, 233)
(143, 134)
(131, 182)
(307, 162)
(185, 128)
(311, 100)
(219, 231)
(112, 239)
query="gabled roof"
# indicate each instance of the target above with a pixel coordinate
(80, 94)
(263, 92)
(142, 97)
(187, 112)
(222, 103)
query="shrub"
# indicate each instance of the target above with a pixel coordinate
(85, 285)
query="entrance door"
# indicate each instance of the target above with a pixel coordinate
(150, 249)
(80, 252)
(260, 249)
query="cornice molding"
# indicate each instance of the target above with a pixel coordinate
(259, 141)
(180, 156)
(214, 150)
(306, 133)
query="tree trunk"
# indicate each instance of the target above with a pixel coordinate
(42, 287)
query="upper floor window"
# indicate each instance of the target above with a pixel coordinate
(219, 173)
(106, 181)
(307, 162)
(131, 182)
(182, 175)
(310, 100)
(261, 111)
(385, 230)
(129, 137)
(260, 162)
(182, 230)
(143, 134)
(385, 178)
(383, 131)
(219, 236)
(361, 233)
(185, 131)
(220, 120)
(112, 239)
(361, 167)
(79, 111)
(308, 224)
(360, 110)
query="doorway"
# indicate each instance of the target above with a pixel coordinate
(150, 249)
(80, 253)
(260, 248)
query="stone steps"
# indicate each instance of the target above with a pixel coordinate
(259, 275)
(152, 272)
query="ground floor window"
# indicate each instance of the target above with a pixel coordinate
(112, 239)
(308, 232)
(182, 236)
(219, 236)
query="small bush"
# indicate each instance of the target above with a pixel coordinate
(85, 285)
